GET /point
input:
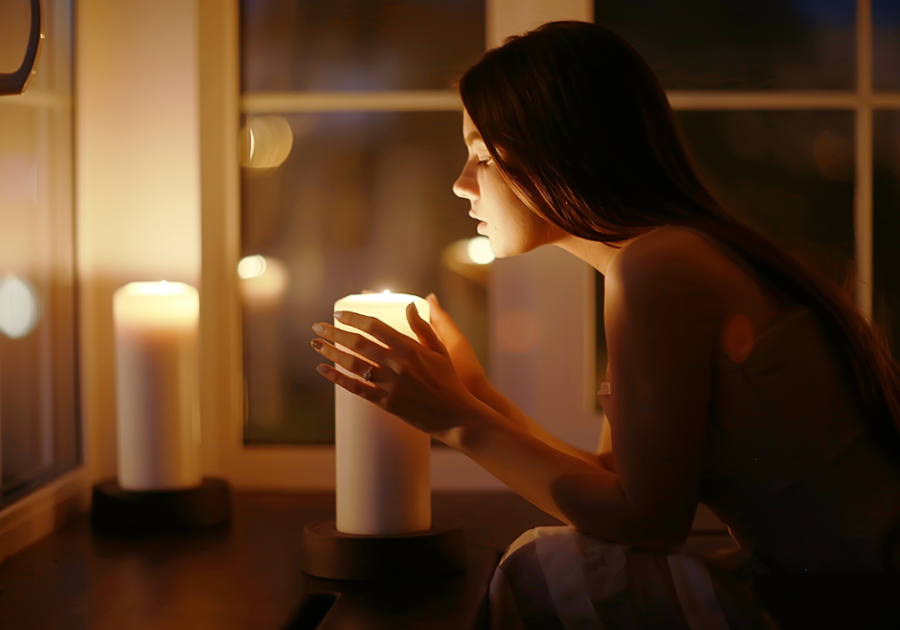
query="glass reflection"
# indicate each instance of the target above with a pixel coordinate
(266, 142)
(886, 232)
(886, 44)
(19, 307)
(363, 202)
(38, 402)
(358, 44)
(722, 44)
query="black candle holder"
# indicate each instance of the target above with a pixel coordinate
(439, 552)
(119, 512)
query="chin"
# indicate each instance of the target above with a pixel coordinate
(506, 251)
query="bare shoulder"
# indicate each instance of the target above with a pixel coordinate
(663, 304)
(664, 262)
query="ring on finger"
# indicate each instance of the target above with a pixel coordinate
(368, 373)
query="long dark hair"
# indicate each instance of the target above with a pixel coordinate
(582, 130)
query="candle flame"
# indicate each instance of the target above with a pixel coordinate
(385, 292)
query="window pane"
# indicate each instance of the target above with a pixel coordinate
(38, 421)
(787, 173)
(886, 44)
(887, 224)
(363, 201)
(739, 44)
(358, 44)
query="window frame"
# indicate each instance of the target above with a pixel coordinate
(36, 511)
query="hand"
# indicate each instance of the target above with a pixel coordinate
(460, 351)
(414, 381)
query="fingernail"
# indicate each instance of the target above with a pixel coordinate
(318, 329)
(315, 343)
(321, 369)
(338, 314)
(433, 298)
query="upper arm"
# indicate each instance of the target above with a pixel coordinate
(661, 315)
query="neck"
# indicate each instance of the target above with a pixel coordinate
(598, 255)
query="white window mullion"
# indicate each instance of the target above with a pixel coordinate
(448, 100)
(387, 100)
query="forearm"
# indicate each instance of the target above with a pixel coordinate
(580, 494)
(487, 394)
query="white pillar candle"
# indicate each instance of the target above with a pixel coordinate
(157, 385)
(383, 483)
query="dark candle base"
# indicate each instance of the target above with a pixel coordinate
(128, 513)
(439, 552)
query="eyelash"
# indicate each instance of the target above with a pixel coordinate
(483, 162)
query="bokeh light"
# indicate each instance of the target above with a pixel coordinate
(266, 142)
(479, 250)
(470, 258)
(19, 307)
(264, 280)
(251, 267)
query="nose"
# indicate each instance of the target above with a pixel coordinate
(466, 185)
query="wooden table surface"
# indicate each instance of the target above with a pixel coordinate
(248, 576)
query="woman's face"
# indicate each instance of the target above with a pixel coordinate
(509, 224)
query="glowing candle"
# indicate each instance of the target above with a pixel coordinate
(157, 386)
(383, 483)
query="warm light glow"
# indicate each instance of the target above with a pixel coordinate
(156, 304)
(19, 308)
(385, 292)
(470, 258)
(267, 142)
(251, 267)
(264, 280)
(162, 287)
(479, 250)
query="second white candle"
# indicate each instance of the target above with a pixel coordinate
(383, 483)
(158, 424)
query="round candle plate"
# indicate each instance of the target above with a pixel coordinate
(119, 512)
(437, 553)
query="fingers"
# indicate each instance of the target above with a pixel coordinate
(371, 325)
(356, 343)
(427, 336)
(441, 322)
(352, 385)
(353, 364)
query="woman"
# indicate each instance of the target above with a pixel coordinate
(737, 376)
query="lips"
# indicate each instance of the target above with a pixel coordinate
(475, 216)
